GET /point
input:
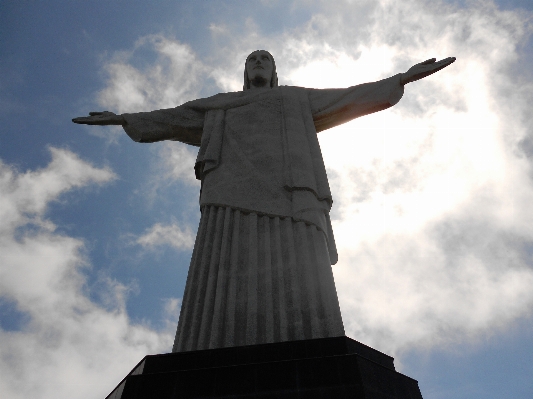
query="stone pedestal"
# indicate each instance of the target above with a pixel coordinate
(337, 368)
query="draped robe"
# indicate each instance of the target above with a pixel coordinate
(261, 266)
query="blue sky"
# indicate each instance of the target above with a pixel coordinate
(432, 197)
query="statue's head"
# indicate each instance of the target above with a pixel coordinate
(261, 69)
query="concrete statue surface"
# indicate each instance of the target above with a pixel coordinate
(261, 266)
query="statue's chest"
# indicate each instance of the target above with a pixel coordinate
(256, 124)
(257, 118)
(255, 129)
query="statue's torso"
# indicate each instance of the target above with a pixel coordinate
(256, 129)
(250, 175)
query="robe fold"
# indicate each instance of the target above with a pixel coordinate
(261, 167)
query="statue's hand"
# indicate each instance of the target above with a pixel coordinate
(101, 118)
(424, 69)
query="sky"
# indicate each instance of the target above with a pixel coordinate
(432, 197)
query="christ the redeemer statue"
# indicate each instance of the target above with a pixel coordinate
(261, 267)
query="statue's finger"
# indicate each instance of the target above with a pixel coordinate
(430, 61)
(80, 119)
(450, 60)
(96, 113)
(447, 61)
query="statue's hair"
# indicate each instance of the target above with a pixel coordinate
(273, 79)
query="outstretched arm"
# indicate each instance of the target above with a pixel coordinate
(332, 107)
(180, 124)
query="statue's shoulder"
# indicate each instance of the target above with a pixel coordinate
(238, 98)
(295, 90)
(219, 100)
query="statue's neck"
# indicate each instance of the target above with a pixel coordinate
(259, 83)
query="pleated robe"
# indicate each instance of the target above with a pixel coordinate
(257, 279)
(261, 265)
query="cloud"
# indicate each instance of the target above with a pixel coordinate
(431, 213)
(171, 235)
(432, 218)
(26, 196)
(171, 312)
(170, 80)
(176, 163)
(69, 345)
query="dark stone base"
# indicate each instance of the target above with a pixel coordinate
(319, 368)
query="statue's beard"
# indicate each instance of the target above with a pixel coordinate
(259, 81)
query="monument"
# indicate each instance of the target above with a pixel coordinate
(260, 315)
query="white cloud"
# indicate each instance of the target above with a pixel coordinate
(176, 163)
(172, 79)
(169, 81)
(432, 215)
(431, 198)
(70, 347)
(171, 235)
(25, 196)
(171, 308)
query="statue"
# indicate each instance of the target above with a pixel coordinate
(261, 265)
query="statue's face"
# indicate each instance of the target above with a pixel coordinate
(259, 65)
